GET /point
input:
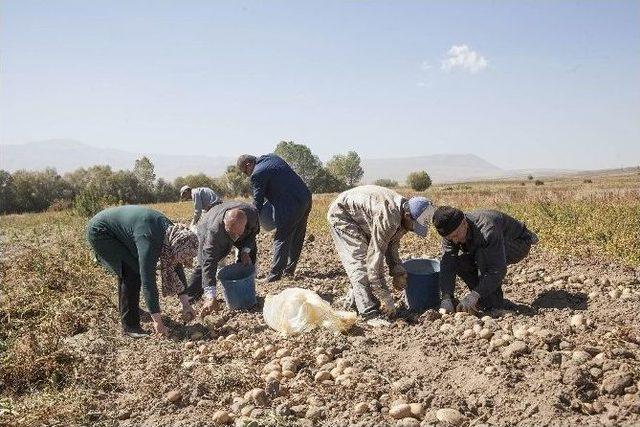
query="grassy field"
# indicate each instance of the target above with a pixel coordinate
(52, 290)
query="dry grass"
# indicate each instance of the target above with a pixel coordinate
(52, 290)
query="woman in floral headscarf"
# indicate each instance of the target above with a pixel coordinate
(129, 241)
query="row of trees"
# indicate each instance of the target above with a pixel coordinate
(88, 190)
(341, 172)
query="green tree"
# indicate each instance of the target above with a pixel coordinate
(346, 167)
(7, 193)
(87, 203)
(237, 183)
(326, 182)
(165, 191)
(300, 158)
(96, 179)
(385, 182)
(419, 181)
(145, 172)
(35, 191)
(127, 188)
(201, 180)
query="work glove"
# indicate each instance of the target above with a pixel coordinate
(399, 277)
(469, 303)
(387, 305)
(446, 304)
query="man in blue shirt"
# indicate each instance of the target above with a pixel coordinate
(274, 180)
(204, 199)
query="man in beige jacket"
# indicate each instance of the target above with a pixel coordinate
(367, 223)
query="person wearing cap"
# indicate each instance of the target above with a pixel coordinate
(274, 180)
(477, 246)
(367, 223)
(225, 226)
(204, 199)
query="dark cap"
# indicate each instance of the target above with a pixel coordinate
(446, 219)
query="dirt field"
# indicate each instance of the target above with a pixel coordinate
(571, 356)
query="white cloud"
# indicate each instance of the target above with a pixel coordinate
(425, 65)
(463, 57)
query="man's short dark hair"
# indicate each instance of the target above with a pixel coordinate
(244, 159)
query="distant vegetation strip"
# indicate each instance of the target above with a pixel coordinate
(86, 191)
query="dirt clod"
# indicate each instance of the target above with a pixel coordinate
(450, 416)
(616, 383)
(173, 396)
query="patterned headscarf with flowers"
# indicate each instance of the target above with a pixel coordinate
(180, 246)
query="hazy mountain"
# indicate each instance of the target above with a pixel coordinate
(68, 155)
(441, 168)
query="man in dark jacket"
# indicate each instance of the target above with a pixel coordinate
(273, 179)
(477, 246)
(224, 226)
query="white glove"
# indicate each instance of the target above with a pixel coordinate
(387, 305)
(447, 305)
(469, 303)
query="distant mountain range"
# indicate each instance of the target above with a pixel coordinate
(68, 155)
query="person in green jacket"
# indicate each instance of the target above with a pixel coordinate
(129, 241)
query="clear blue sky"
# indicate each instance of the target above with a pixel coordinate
(528, 84)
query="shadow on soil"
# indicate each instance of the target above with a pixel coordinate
(330, 274)
(561, 299)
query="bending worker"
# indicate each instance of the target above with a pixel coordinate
(227, 225)
(477, 246)
(129, 241)
(204, 199)
(273, 179)
(367, 223)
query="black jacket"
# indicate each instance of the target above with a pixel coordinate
(215, 243)
(490, 237)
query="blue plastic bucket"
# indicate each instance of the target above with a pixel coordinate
(423, 291)
(267, 217)
(238, 285)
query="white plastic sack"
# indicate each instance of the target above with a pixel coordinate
(296, 310)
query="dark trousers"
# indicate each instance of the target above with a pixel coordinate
(194, 287)
(129, 297)
(467, 270)
(117, 258)
(287, 245)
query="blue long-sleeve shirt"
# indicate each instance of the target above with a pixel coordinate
(273, 179)
(203, 199)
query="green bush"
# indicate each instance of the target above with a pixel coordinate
(419, 181)
(326, 182)
(87, 203)
(385, 182)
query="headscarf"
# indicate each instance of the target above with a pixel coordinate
(179, 244)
